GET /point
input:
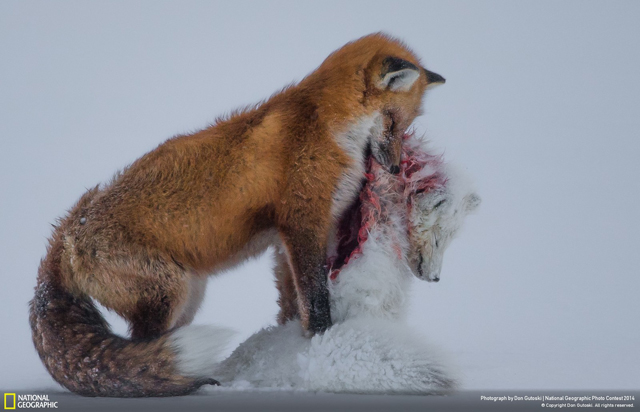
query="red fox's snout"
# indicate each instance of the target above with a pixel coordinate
(388, 151)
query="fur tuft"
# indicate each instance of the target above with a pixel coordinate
(360, 355)
(373, 355)
(198, 347)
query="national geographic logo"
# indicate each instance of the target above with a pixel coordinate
(11, 401)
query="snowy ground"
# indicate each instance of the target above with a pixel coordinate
(540, 292)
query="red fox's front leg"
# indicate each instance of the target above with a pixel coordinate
(306, 252)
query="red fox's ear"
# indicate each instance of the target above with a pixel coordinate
(397, 74)
(433, 78)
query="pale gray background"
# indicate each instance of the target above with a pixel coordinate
(541, 106)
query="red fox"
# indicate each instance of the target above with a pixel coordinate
(283, 172)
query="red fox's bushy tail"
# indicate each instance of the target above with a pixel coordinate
(81, 353)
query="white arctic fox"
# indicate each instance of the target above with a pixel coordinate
(401, 226)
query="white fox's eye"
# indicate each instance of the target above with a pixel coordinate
(439, 203)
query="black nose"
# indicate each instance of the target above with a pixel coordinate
(436, 280)
(394, 170)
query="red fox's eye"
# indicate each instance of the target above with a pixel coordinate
(440, 203)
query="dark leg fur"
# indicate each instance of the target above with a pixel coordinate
(307, 255)
(151, 318)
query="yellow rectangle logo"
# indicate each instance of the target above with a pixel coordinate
(9, 395)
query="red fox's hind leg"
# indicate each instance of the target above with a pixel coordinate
(150, 319)
(160, 303)
(153, 313)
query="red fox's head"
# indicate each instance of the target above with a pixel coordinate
(376, 76)
(396, 88)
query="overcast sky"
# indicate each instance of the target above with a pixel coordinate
(541, 107)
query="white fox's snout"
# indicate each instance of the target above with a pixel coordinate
(429, 267)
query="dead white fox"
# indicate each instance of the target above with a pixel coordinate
(401, 227)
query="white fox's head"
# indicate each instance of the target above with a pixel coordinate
(434, 220)
(414, 214)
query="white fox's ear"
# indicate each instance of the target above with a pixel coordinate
(471, 202)
(398, 75)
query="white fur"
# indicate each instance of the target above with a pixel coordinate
(375, 284)
(360, 355)
(354, 142)
(197, 348)
(372, 355)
